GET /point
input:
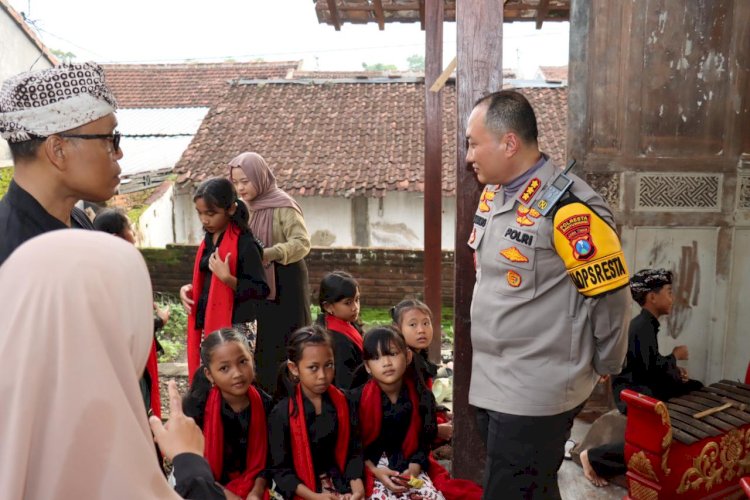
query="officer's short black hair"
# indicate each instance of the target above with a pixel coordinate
(510, 111)
(25, 150)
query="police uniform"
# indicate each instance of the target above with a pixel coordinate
(539, 342)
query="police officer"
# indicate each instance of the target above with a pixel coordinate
(549, 313)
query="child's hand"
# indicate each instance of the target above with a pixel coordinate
(358, 490)
(163, 314)
(253, 496)
(219, 267)
(326, 496)
(186, 297)
(414, 470)
(683, 374)
(680, 352)
(387, 477)
(445, 431)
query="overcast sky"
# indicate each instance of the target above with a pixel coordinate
(207, 31)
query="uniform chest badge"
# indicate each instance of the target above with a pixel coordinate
(514, 255)
(514, 279)
(529, 191)
(577, 230)
(473, 236)
(485, 199)
(525, 216)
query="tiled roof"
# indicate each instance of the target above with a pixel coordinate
(184, 85)
(554, 73)
(341, 139)
(4, 5)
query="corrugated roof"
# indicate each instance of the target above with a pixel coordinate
(146, 154)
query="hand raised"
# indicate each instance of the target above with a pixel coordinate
(181, 434)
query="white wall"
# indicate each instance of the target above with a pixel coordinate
(187, 226)
(328, 220)
(397, 221)
(155, 227)
(17, 54)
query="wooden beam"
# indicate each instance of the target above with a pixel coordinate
(542, 11)
(421, 13)
(333, 12)
(433, 171)
(379, 15)
(479, 26)
(440, 82)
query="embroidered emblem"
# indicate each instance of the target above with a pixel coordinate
(577, 230)
(519, 236)
(542, 204)
(525, 215)
(473, 236)
(514, 255)
(514, 279)
(530, 190)
(486, 198)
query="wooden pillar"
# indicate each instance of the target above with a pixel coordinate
(433, 168)
(480, 70)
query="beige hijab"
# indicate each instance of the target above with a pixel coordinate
(75, 332)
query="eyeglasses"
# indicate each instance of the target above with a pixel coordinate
(114, 137)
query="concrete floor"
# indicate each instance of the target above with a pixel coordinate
(573, 484)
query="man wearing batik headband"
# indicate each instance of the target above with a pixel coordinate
(646, 370)
(60, 125)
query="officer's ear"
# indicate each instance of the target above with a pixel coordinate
(53, 150)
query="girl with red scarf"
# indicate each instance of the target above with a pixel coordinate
(338, 298)
(315, 452)
(228, 275)
(397, 421)
(232, 413)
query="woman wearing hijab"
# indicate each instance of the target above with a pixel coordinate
(276, 219)
(75, 334)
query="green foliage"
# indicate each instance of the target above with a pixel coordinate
(379, 67)
(63, 56)
(173, 336)
(415, 62)
(6, 174)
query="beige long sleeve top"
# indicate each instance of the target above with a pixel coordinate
(291, 242)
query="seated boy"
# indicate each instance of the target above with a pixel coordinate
(645, 369)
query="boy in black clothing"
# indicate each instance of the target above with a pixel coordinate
(645, 369)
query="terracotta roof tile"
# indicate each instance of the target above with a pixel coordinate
(184, 85)
(341, 139)
(554, 73)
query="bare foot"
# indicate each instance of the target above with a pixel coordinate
(589, 472)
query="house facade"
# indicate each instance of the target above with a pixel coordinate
(20, 50)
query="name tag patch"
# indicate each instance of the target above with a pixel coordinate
(479, 220)
(520, 236)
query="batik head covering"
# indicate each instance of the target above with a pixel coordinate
(76, 332)
(49, 101)
(648, 280)
(269, 196)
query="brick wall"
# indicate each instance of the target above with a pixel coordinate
(385, 275)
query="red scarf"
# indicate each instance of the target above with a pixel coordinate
(303, 461)
(345, 328)
(220, 298)
(152, 367)
(257, 446)
(371, 418)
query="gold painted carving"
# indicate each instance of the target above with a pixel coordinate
(666, 442)
(639, 491)
(642, 465)
(731, 452)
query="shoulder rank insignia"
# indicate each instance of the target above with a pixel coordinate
(528, 192)
(514, 255)
(486, 198)
(590, 249)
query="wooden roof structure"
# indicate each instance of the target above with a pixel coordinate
(338, 12)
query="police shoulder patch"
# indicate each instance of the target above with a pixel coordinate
(590, 249)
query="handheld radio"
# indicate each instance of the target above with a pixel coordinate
(554, 191)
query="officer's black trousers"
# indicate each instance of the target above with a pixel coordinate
(523, 453)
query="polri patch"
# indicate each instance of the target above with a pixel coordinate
(520, 237)
(513, 254)
(514, 279)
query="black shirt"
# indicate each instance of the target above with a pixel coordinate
(22, 218)
(194, 479)
(393, 430)
(322, 433)
(236, 428)
(251, 279)
(646, 370)
(350, 371)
